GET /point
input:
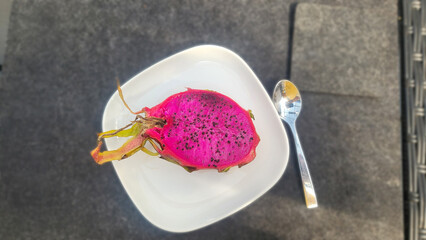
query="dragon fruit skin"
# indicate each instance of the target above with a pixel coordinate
(197, 129)
(204, 129)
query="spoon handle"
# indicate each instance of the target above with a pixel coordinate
(308, 186)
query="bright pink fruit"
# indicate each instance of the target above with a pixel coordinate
(196, 129)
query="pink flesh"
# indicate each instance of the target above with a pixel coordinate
(204, 129)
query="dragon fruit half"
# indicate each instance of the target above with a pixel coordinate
(197, 129)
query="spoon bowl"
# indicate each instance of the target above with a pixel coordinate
(288, 102)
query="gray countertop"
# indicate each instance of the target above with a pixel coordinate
(60, 64)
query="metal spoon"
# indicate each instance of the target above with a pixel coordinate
(288, 102)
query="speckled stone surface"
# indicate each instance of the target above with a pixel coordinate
(60, 64)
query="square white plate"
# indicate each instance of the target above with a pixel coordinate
(168, 196)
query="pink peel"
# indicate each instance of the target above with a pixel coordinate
(197, 129)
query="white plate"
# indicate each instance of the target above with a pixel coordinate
(168, 196)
